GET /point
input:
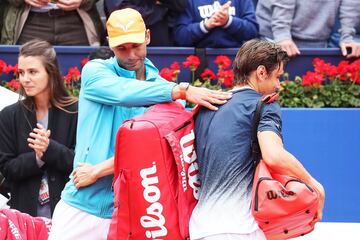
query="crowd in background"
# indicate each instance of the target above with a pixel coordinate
(188, 23)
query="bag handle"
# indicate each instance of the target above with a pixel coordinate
(255, 147)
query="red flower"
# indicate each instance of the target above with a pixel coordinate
(192, 62)
(207, 74)
(223, 62)
(312, 78)
(226, 77)
(11, 68)
(324, 68)
(73, 75)
(13, 84)
(319, 65)
(67, 79)
(175, 66)
(167, 74)
(228, 81)
(355, 66)
(84, 61)
(331, 71)
(343, 70)
(15, 69)
(355, 77)
(354, 69)
(2, 66)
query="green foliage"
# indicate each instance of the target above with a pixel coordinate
(209, 85)
(327, 86)
(335, 93)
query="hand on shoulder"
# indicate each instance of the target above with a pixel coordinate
(202, 96)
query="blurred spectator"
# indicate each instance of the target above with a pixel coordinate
(297, 24)
(159, 16)
(65, 22)
(2, 9)
(218, 24)
(38, 133)
(335, 35)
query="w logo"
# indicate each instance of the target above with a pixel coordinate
(125, 27)
(271, 195)
(280, 194)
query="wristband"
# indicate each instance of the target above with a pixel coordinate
(183, 86)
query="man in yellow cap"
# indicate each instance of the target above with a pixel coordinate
(112, 91)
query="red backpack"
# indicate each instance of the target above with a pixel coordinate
(155, 178)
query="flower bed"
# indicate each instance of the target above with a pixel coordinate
(327, 86)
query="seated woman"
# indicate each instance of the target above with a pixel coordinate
(38, 133)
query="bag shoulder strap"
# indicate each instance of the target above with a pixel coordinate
(255, 147)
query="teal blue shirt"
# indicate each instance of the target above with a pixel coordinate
(109, 95)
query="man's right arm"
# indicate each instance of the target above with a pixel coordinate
(101, 84)
(274, 154)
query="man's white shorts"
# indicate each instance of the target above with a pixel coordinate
(257, 235)
(69, 223)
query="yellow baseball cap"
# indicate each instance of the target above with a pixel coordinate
(125, 26)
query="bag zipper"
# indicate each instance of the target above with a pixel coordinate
(301, 181)
(257, 190)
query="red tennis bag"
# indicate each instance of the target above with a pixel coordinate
(155, 178)
(283, 206)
